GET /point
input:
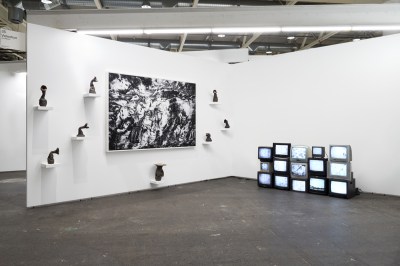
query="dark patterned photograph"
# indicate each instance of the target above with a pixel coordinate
(150, 113)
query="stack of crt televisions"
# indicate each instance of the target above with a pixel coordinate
(298, 167)
(341, 181)
(317, 172)
(281, 163)
(264, 176)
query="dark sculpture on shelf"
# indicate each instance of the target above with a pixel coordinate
(159, 171)
(226, 123)
(42, 100)
(92, 88)
(80, 132)
(215, 98)
(208, 137)
(50, 158)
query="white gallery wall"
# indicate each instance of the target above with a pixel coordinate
(342, 94)
(12, 117)
(66, 62)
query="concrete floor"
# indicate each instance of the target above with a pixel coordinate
(221, 222)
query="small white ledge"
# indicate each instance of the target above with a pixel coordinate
(215, 103)
(225, 129)
(91, 95)
(43, 108)
(77, 138)
(207, 142)
(46, 165)
(155, 182)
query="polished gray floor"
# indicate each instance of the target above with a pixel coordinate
(222, 222)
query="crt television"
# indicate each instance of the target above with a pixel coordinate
(281, 166)
(299, 153)
(281, 150)
(265, 154)
(299, 185)
(340, 153)
(264, 179)
(339, 170)
(342, 188)
(318, 152)
(281, 182)
(318, 185)
(266, 167)
(317, 166)
(298, 170)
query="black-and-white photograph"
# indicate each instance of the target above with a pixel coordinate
(150, 113)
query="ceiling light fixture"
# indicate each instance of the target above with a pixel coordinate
(47, 2)
(246, 29)
(146, 4)
(290, 37)
(221, 35)
(269, 51)
(356, 40)
(178, 31)
(111, 32)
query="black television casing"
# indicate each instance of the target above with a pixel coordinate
(265, 185)
(270, 167)
(317, 173)
(351, 189)
(263, 159)
(279, 187)
(319, 192)
(299, 179)
(287, 171)
(278, 155)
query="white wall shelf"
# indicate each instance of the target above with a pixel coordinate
(43, 108)
(226, 129)
(91, 95)
(207, 143)
(77, 138)
(46, 165)
(155, 182)
(215, 103)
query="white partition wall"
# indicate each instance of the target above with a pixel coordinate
(66, 62)
(342, 94)
(12, 117)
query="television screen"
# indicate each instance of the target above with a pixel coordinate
(265, 153)
(298, 169)
(264, 179)
(339, 187)
(340, 152)
(318, 152)
(281, 149)
(281, 181)
(266, 167)
(316, 165)
(338, 169)
(317, 184)
(299, 185)
(280, 166)
(299, 153)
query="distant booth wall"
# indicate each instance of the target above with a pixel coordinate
(12, 117)
(65, 64)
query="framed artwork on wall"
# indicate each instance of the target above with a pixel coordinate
(150, 113)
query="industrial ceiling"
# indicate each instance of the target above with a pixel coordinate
(257, 44)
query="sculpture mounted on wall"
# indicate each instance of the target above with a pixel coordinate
(50, 158)
(208, 137)
(42, 100)
(159, 171)
(80, 132)
(92, 88)
(226, 123)
(215, 98)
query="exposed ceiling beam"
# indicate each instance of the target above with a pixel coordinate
(195, 3)
(182, 42)
(319, 40)
(291, 3)
(252, 39)
(303, 43)
(322, 15)
(244, 40)
(98, 4)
